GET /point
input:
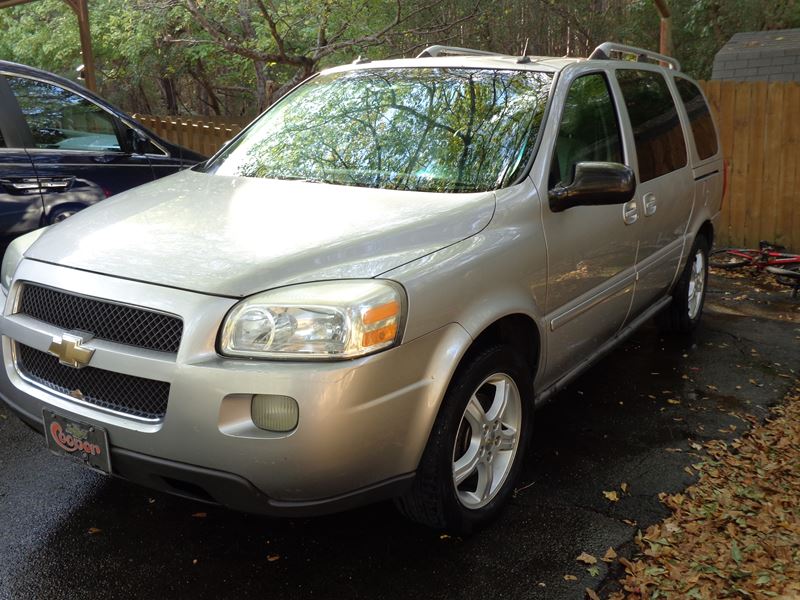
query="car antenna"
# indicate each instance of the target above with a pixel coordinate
(524, 58)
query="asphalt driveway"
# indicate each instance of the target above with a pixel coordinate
(627, 426)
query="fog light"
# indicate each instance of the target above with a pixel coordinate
(274, 413)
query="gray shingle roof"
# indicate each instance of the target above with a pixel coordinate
(760, 56)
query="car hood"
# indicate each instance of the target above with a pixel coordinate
(235, 236)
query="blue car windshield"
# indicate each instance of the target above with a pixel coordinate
(417, 129)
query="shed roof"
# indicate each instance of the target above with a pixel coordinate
(760, 56)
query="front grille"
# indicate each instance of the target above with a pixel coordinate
(106, 320)
(136, 396)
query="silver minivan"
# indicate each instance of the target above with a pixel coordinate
(366, 294)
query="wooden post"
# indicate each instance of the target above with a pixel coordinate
(666, 27)
(81, 10)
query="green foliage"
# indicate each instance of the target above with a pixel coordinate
(234, 57)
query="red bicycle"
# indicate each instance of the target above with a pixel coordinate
(770, 257)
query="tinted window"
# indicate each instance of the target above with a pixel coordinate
(589, 129)
(440, 130)
(657, 131)
(62, 120)
(703, 130)
(2, 141)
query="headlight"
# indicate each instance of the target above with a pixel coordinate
(13, 256)
(325, 320)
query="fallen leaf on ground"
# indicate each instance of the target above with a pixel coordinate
(570, 578)
(592, 594)
(94, 530)
(736, 532)
(613, 496)
(609, 556)
(273, 557)
(586, 558)
(200, 515)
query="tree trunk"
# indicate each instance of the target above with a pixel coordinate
(169, 95)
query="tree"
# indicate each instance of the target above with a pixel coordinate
(232, 58)
(286, 41)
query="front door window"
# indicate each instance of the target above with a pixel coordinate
(62, 120)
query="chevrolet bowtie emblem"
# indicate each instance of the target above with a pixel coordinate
(69, 351)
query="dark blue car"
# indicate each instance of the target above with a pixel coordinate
(62, 148)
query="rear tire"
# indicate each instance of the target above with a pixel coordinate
(477, 444)
(688, 298)
(788, 275)
(62, 214)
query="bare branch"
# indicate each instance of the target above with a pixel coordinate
(378, 37)
(224, 39)
(273, 27)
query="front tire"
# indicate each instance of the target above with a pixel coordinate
(688, 298)
(475, 450)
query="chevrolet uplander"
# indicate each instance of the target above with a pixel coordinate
(368, 291)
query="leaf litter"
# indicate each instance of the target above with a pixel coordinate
(736, 532)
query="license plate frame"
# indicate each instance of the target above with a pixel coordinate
(78, 441)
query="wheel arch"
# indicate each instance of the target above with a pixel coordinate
(706, 230)
(518, 330)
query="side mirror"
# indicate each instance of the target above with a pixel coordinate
(594, 184)
(138, 142)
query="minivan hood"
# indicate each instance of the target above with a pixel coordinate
(235, 236)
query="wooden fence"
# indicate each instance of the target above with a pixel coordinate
(760, 134)
(759, 126)
(205, 137)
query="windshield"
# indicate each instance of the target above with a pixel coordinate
(420, 129)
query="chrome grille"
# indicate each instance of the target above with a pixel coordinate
(136, 396)
(106, 320)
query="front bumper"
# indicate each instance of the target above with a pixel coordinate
(363, 423)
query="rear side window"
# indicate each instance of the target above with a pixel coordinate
(657, 131)
(60, 119)
(703, 130)
(589, 129)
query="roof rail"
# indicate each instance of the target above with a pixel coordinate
(433, 51)
(604, 50)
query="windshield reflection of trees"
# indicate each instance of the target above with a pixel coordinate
(410, 129)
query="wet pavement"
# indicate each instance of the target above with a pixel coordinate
(66, 532)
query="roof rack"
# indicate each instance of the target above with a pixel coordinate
(432, 51)
(604, 50)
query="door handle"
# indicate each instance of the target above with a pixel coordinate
(630, 212)
(650, 205)
(55, 184)
(21, 185)
(32, 185)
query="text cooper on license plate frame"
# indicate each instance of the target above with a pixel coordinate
(79, 441)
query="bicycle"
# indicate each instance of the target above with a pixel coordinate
(785, 266)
